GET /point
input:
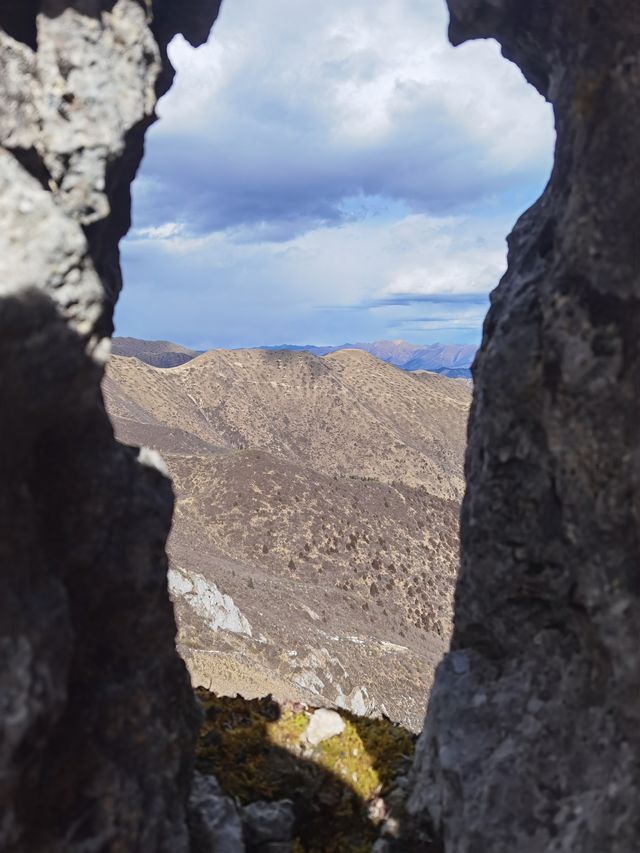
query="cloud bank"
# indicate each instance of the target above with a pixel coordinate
(330, 171)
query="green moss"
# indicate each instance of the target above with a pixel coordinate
(388, 746)
(287, 731)
(257, 751)
(347, 758)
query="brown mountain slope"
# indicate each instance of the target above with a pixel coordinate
(314, 544)
(346, 413)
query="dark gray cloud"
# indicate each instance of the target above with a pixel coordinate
(246, 174)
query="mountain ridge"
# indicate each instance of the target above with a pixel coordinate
(452, 360)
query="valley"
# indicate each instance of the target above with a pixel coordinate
(314, 546)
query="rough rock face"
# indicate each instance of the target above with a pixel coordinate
(532, 739)
(96, 715)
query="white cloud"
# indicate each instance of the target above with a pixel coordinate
(364, 279)
(360, 68)
(326, 171)
(159, 232)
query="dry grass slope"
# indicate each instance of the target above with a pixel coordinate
(321, 495)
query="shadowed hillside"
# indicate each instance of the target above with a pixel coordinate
(156, 353)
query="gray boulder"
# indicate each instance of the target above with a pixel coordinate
(214, 819)
(97, 719)
(532, 736)
(268, 827)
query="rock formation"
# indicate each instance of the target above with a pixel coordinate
(532, 740)
(97, 718)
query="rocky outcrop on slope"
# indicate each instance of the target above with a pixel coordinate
(532, 739)
(97, 720)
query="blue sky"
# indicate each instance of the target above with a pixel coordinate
(330, 172)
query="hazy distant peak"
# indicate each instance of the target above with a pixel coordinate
(155, 353)
(449, 359)
(353, 354)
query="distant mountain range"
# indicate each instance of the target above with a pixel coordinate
(453, 360)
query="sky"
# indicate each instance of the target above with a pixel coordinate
(330, 172)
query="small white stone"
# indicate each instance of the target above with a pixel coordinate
(324, 724)
(152, 459)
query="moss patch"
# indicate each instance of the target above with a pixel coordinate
(257, 751)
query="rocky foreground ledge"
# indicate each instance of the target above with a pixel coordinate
(97, 718)
(287, 778)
